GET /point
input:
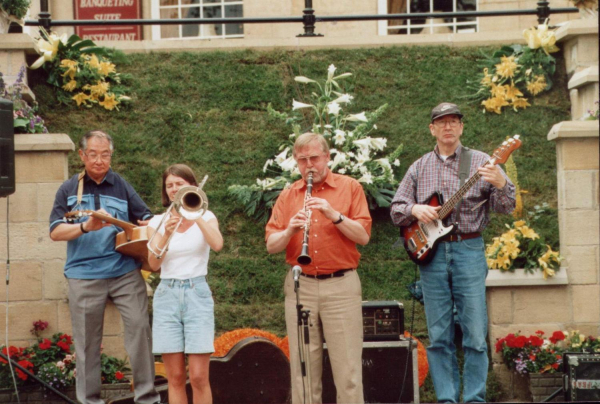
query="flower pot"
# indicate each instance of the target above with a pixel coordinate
(542, 385)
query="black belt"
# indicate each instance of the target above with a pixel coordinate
(335, 274)
(458, 237)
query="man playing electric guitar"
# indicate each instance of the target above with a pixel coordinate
(455, 271)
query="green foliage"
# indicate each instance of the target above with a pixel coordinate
(16, 8)
(209, 110)
(112, 369)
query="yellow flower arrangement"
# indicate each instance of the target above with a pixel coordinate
(80, 71)
(516, 69)
(521, 247)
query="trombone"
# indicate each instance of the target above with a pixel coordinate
(190, 203)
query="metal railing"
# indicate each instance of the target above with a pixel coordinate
(308, 18)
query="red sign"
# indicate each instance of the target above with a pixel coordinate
(104, 10)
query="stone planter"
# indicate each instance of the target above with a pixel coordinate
(35, 394)
(543, 385)
(519, 277)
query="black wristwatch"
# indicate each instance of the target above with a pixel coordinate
(340, 220)
(84, 231)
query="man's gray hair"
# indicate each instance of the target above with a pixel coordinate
(309, 137)
(95, 133)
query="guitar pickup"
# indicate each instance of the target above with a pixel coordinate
(424, 229)
(421, 238)
(412, 246)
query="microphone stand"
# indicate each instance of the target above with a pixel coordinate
(303, 335)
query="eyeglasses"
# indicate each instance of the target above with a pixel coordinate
(313, 159)
(442, 124)
(95, 156)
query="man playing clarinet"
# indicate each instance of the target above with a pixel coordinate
(336, 217)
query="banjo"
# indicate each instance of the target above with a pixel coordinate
(132, 241)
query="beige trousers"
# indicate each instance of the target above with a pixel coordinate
(335, 306)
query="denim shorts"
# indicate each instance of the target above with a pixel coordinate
(183, 317)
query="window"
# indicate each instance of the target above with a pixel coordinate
(178, 9)
(427, 26)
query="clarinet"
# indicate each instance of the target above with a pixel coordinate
(304, 258)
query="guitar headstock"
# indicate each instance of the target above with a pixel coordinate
(76, 215)
(502, 153)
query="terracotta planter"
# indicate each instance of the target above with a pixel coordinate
(543, 385)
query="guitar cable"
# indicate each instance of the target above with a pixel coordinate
(12, 372)
(409, 358)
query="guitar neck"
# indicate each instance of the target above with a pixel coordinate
(453, 201)
(109, 219)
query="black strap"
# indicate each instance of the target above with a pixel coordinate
(464, 169)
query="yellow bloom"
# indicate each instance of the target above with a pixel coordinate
(503, 261)
(109, 102)
(537, 86)
(508, 236)
(519, 223)
(512, 92)
(80, 98)
(512, 249)
(93, 62)
(520, 103)
(71, 67)
(99, 89)
(487, 78)
(498, 91)
(70, 86)
(507, 67)
(494, 104)
(106, 68)
(528, 232)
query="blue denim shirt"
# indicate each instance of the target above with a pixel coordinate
(93, 255)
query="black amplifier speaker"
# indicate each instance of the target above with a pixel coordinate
(390, 373)
(7, 149)
(582, 376)
(383, 320)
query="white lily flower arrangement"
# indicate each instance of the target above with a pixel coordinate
(353, 148)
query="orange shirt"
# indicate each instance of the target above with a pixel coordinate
(329, 249)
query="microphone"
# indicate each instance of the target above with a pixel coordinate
(296, 271)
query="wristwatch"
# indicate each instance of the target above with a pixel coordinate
(340, 220)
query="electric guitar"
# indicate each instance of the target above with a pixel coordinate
(132, 241)
(420, 239)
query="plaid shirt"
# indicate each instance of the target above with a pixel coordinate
(431, 173)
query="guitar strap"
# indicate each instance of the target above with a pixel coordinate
(80, 187)
(464, 169)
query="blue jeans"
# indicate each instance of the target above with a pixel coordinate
(457, 275)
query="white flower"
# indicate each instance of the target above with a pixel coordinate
(293, 135)
(339, 137)
(338, 159)
(363, 169)
(396, 163)
(344, 99)
(48, 48)
(333, 108)
(364, 143)
(367, 178)
(384, 162)
(267, 164)
(328, 126)
(330, 71)
(350, 154)
(362, 158)
(281, 156)
(295, 172)
(298, 105)
(357, 117)
(378, 143)
(288, 164)
(374, 126)
(350, 134)
(342, 76)
(342, 171)
(60, 364)
(302, 79)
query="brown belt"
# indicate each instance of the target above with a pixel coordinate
(458, 237)
(335, 274)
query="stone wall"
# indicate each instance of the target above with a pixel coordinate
(575, 303)
(38, 289)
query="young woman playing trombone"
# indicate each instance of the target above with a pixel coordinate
(183, 309)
